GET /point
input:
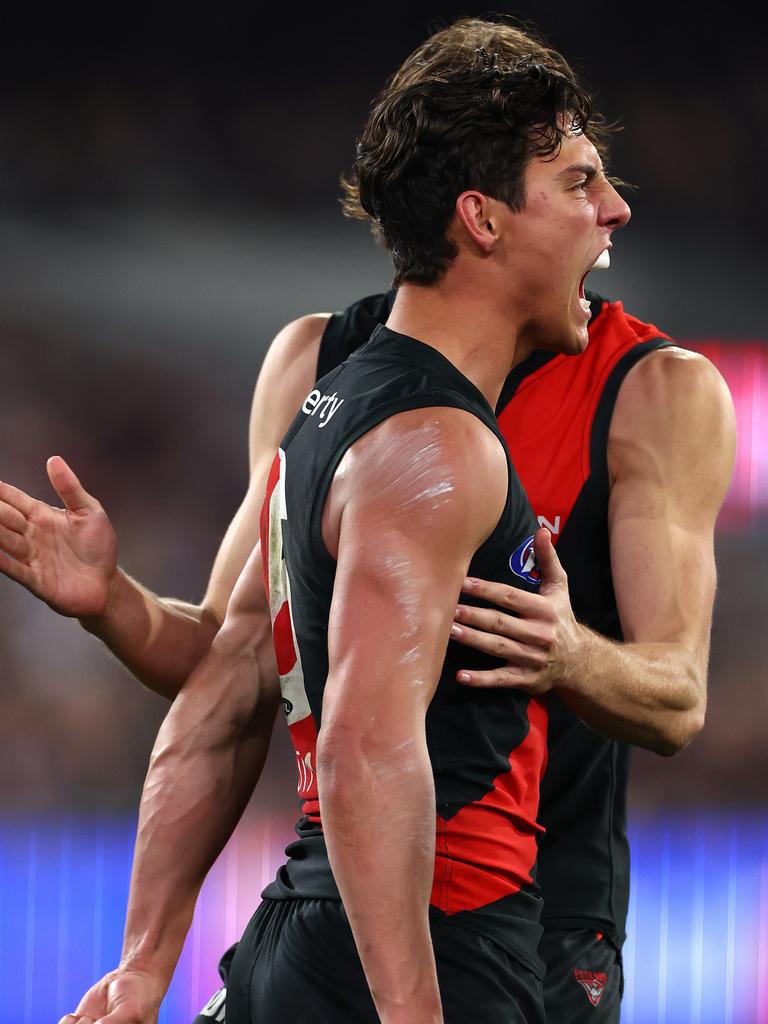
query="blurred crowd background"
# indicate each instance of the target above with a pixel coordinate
(168, 200)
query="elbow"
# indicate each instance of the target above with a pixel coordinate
(681, 730)
(340, 754)
(372, 758)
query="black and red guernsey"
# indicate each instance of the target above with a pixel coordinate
(555, 412)
(487, 747)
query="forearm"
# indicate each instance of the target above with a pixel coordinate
(202, 772)
(159, 640)
(385, 874)
(650, 694)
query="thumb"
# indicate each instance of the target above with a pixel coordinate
(69, 488)
(551, 569)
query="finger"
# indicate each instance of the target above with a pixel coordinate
(18, 499)
(499, 646)
(120, 1016)
(14, 544)
(506, 677)
(509, 598)
(489, 620)
(551, 569)
(16, 570)
(68, 487)
(11, 518)
(74, 1018)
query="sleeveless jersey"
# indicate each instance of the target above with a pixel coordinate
(487, 748)
(555, 411)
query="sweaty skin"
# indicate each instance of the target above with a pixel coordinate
(182, 631)
(404, 988)
(372, 744)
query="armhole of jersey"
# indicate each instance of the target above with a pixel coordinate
(377, 417)
(327, 356)
(335, 342)
(601, 423)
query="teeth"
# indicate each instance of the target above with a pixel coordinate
(603, 261)
(585, 305)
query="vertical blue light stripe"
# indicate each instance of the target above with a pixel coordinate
(697, 923)
(3, 876)
(730, 956)
(663, 926)
(630, 957)
(29, 965)
(98, 902)
(64, 916)
(761, 995)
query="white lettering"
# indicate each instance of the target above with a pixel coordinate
(330, 409)
(326, 405)
(310, 402)
(552, 527)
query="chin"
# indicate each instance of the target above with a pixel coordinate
(571, 344)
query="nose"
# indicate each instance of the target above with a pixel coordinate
(615, 212)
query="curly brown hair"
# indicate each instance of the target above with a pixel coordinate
(467, 109)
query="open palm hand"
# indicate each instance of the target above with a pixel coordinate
(65, 556)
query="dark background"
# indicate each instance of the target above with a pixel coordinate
(168, 199)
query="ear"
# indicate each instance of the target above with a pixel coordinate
(475, 214)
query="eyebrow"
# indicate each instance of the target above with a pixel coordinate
(590, 170)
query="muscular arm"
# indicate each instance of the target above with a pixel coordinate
(159, 639)
(208, 754)
(409, 505)
(670, 451)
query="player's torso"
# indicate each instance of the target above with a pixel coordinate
(487, 748)
(555, 414)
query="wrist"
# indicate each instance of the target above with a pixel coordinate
(571, 673)
(154, 965)
(117, 590)
(425, 1010)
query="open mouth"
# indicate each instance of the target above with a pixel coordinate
(602, 262)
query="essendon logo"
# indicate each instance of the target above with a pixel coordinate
(523, 562)
(593, 983)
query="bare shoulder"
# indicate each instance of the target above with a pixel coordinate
(674, 423)
(288, 372)
(672, 384)
(441, 441)
(440, 462)
(298, 341)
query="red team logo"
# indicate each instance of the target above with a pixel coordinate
(593, 983)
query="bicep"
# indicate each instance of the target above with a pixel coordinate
(389, 623)
(413, 510)
(671, 455)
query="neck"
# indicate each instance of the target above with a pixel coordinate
(478, 335)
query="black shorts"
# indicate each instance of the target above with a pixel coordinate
(297, 963)
(584, 979)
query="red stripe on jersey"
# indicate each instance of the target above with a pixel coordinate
(272, 479)
(487, 850)
(557, 406)
(282, 636)
(304, 739)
